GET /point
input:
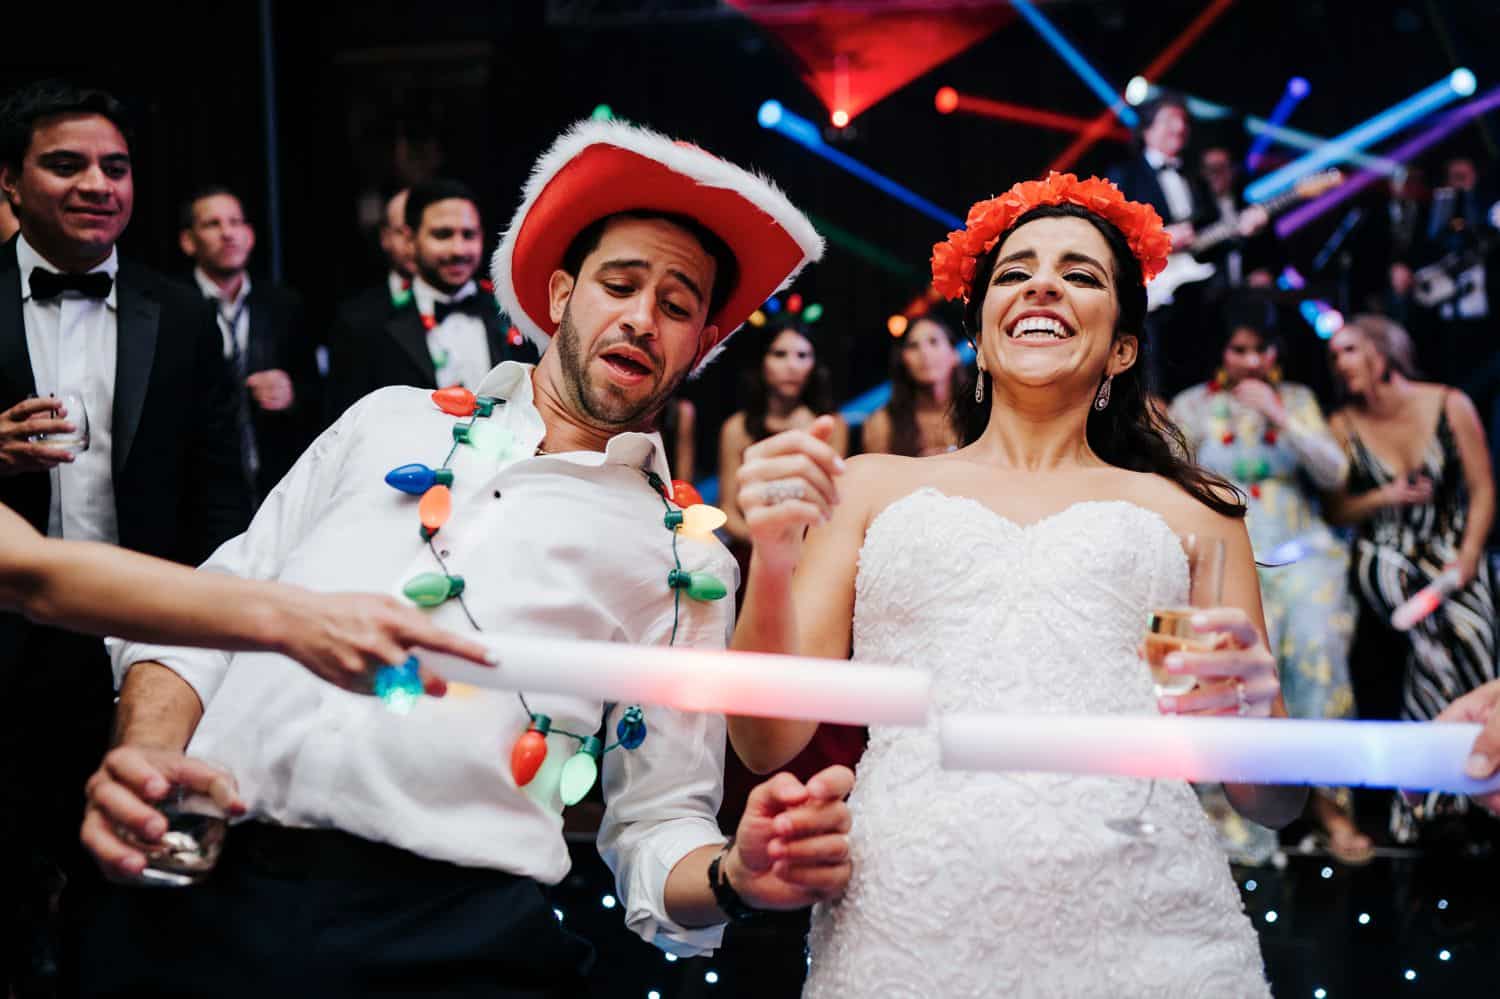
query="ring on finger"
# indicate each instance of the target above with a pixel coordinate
(1241, 701)
(782, 490)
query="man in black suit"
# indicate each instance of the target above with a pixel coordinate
(450, 332)
(159, 471)
(1157, 176)
(271, 358)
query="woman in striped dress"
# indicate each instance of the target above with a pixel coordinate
(1421, 493)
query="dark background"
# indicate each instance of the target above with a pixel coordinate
(373, 94)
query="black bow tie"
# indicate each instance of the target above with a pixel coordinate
(46, 284)
(470, 306)
(1173, 165)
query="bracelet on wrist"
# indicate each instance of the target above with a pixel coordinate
(727, 899)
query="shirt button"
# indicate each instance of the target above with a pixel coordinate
(443, 553)
(497, 494)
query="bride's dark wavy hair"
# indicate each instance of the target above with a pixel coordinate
(1130, 433)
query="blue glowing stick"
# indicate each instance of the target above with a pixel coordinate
(778, 119)
(1459, 83)
(1109, 95)
(1296, 89)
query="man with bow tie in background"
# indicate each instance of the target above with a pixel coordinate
(451, 331)
(158, 471)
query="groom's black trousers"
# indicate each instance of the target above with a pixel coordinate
(291, 913)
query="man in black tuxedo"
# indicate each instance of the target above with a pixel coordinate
(272, 360)
(1252, 257)
(1157, 176)
(140, 359)
(451, 331)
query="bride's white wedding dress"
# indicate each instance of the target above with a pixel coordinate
(1012, 885)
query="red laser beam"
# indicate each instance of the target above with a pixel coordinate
(949, 100)
(1102, 125)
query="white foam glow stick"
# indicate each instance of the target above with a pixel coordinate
(1426, 600)
(1417, 756)
(722, 682)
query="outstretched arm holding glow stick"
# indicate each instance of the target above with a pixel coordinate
(101, 589)
(808, 613)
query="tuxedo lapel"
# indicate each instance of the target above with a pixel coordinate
(135, 350)
(15, 358)
(405, 327)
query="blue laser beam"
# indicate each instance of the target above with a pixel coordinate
(803, 132)
(1296, 89)
(1459, 83)
(1109, 95)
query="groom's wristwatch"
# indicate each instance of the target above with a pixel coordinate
(725, 896)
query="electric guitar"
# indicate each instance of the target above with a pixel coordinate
(1183, 267)
(1458, 274)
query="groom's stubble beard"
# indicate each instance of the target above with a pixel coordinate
(600, 406)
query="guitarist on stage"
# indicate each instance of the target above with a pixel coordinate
(1251, 259)
(1157, 176)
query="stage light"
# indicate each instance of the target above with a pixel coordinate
(777, 118)
(896, 325)
(946, 100)
(711, 977)
(1291, 279)
(1271, 916)
(1326, 873)
(1410, 975)
(1398, 116)
(840, 118)
(1463, 82)
(1444, 955)
(558, 914)
(671, 958)
(1448, 123)
(1442, 903)
(1075, 59)
(1364, 919)
(1251, 885)
(608, 901)
(867, 251)
(1296, 89)
(1136, 91)
(1329, 323)
(1320, 994)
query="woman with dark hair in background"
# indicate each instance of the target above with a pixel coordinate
(927, 379)
(1268, 437)
(1020, 571)
(1421, 494)
(787, 390)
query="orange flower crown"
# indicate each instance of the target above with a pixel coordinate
(955, 260)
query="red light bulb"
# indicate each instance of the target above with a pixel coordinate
(455, 400)
(527, 756)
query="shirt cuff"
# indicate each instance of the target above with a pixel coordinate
(201, 669)
(645, 892)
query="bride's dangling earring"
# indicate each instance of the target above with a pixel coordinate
(1101, 400)
(979, 387)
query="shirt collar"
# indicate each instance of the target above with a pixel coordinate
(426, 294)
(511, 381)
(28, 259)
(1157, 160)
(213, 291)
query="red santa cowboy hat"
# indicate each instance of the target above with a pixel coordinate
(598, 168)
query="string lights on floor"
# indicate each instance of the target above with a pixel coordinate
(399, 686)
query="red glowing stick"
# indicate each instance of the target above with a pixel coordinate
(1426, 600)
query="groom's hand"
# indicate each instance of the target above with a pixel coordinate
(792, 845)
(1481, 706)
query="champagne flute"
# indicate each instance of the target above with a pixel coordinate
(1170, 629)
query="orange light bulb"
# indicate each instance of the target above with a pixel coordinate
(435, 508)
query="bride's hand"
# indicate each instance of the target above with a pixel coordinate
(786, 485)
(1238, 677)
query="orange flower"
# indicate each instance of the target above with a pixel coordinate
(955, 260)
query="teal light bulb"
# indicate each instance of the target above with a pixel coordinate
(580, 772)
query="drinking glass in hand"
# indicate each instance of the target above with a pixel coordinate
(189, 849)
(1170, 629)
(77, 440)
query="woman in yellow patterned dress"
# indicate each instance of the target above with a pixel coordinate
(1269, 438)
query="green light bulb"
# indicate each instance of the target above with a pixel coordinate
(580, 772)
(699, 585)
(603, 112)
(812, 313)
(491, 441)
(431, 588)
